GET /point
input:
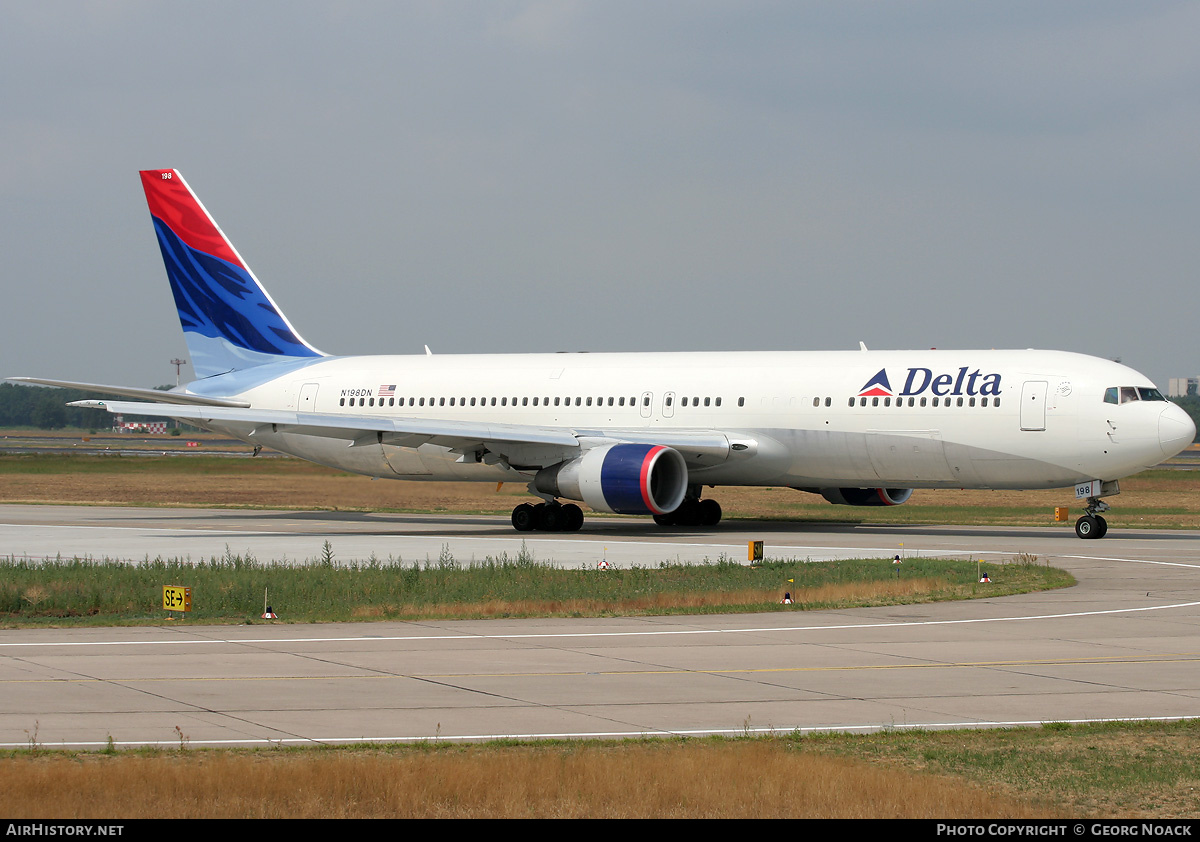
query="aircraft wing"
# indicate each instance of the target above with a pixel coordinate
(521, 443)
(134, 392)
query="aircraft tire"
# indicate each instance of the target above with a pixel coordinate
(710, 512)
(572, 517)
(1087, 527)
(551, 518)
(523, 519)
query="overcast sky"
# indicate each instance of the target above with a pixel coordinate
(542, 176)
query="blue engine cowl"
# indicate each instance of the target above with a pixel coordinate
(627, 479)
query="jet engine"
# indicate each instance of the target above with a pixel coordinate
(628, 479)
(865, 496)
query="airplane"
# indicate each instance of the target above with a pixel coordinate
(643, 433)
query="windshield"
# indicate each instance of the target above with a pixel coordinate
(1127, 394)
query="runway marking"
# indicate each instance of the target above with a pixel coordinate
(581, 635)
(614, 735)
(1172, 658)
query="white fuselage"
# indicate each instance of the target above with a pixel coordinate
(969, 419)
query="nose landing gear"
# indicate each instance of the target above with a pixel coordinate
(1092, 525)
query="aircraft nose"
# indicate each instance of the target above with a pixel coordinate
(1176, 430)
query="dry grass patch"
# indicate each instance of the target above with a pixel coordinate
(849, 593)
(1151, 499)
(702, 779)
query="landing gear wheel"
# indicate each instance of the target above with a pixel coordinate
(692, 512)
(523, 519)
(572, 517)
(1090, 526)
(550, 517)
(547, 517)
(710, 512)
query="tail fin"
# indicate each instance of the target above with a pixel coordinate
(229, 321)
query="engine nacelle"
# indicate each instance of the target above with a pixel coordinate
(627, 479)
(867, 496)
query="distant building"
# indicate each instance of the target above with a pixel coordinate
(1183, 387)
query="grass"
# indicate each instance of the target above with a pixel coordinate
(1129, 770)
(230, 589)
(1138, 769)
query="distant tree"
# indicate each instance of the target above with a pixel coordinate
(49, 415)
(45, 407)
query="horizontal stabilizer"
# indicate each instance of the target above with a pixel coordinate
(184, 398)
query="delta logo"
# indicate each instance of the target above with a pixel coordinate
(877, 386)
(921, 380)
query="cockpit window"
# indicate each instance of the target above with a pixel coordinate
(1127, 394)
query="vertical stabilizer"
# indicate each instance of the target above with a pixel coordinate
(229, 321)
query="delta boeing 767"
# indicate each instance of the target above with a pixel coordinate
(644, 433)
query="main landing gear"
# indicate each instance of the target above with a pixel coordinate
(692, 512)
(547, 517)
(1092, 525)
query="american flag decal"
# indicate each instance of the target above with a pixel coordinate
(387, 391)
